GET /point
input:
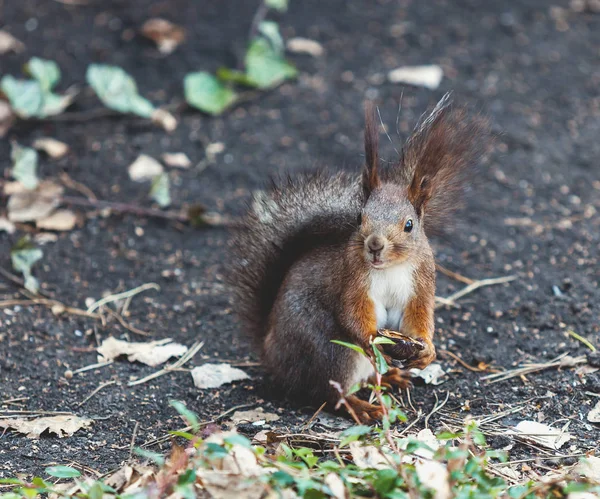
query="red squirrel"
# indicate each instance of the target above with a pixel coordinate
(339, 257)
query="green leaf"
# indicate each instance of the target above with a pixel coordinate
(448, 435)
(117, 90)
(10, 481)
(282, 479)
(233, 76)
(160, 190)
(385, 481)
(280, 5)
(238, 439)
(352, 346)
(382, 340)
(26, 96)
(63, 472)
(270, 30)
(155, 457)
(188, 476)
(215, 450)
(265, 67)
(25, 160)
(96, 491)
(380, 363)
(182, 434)
(353, 433)
(23, 256)
(206, 93)
(46, 72)
(353, 389)
(184, 412)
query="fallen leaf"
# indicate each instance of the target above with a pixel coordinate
(549, 437)
(62, 425)
(160, 190)
(213, 149)
(144, 168)
(300, 45)
(7, 117)
(434, 475)
(165, 119)
(152, 353)
(24, 167)
(225, 485)
(176, 159)
(594, 415)
(589, 467)
(9, 43)
(120, 478)
(432, 374)
(52, 147)
(336, 485)
(367, 456)
(29, 206)
(165, 34)
(6, 225)
(215, 375)
(60, 220)
(253, 416)
(429, 76)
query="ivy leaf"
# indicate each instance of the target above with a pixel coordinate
(280, 5)
(117, 90)
(206, 93)
(265, 66)
(25, 96)
(23, 256)
(160, 190)
(25, 160)
(46, 72)
(63, 472)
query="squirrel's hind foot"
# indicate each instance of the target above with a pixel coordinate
(395, 378)
(365, 412)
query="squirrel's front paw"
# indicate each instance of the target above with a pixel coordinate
(422, 358)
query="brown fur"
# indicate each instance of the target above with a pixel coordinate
(303, 263)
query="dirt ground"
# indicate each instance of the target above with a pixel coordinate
(533, 66)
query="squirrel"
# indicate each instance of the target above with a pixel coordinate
(338, 257)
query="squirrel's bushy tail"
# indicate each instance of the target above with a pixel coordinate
(292, 218)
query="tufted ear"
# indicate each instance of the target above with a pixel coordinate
(419, 193)
(371, 178)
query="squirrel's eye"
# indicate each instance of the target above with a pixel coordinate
(408, 226)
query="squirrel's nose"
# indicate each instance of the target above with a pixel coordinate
(375, 244)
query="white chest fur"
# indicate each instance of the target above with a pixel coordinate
(390, 291)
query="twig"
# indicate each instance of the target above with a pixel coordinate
(92, 366)
(13, 401)
(476, 285)
(124, 294)
(77, 186)
(100, 387)
(583, 340)
(185, 358)
(125, 324)
(306, 425)
(464, 364)
(531, 368)
(454, 275)
(133, 437)
(436, 407)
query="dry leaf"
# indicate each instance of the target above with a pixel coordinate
(144, 169)
(429, 76)
(9, 43)
(44, 238)
(165, 119)
(6, 225)
(589, 468)
(152, 353)
(213, 149)
(176, 159)
(7, 117)
(62, 425)
(300, 45)
(29, 206)
(253, 416)
(60, 220)
(336, 485)
(367, 456)
(224, 485)
(432, 374)
(215, 375)
(549, 437)
(120, 478)
(52, 147)
(434, 475)
(165, 34)
(594, 415)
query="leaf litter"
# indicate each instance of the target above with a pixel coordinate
(52, 147)
(152, 353)
(63, 425)
(214, 375)
(428, 76)
(167, 35)
(145, 168)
